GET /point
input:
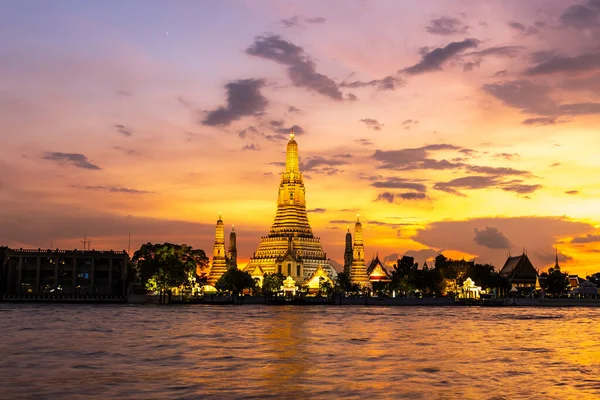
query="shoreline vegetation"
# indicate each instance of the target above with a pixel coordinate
(177, 274)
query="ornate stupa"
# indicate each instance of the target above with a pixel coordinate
(291, 248)
(219, 261)
(232, 253)
(348, 254)
(358, 271)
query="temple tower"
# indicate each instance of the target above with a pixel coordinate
(358, 271)
(232, 253)
(348, 254)
(290, 244)
(219, 262)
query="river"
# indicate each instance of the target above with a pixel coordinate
(189, 352)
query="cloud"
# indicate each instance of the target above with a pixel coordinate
(471, 65)
(485, 182)
(572, 192)
(507, 156)
(251, 146)
(407, 158)
(123, 130)
(540, 121)
(421, 256)
(433, 60)
(399, 183)
(295, 21)
(580, 63)
(534, 99)
(364, 142)
(550, 257)
(316, 210)
(447, 26)
(522, 29)
(292, 109)
(491, 237)
(372, 123)
(500, 51)
(467, 182)
(113, 189)
(387, 83)
(523, 95)
(589, 238)
(298, 130)
(77, 159)
(291, 22)
(301, 68)
(581, 16)
(248, 131)
(322, 165)
(394, 197)
(579, 108)
(315, 20)
(451, 235)
(243, 99)
(129, 152)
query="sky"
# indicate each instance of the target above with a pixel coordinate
(468, 128)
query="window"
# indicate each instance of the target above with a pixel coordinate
(291, 195)
(279, 268)
(297, 270)
(289, 269)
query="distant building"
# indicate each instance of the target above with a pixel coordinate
(63, 272)
(376, 272)
(521, 273)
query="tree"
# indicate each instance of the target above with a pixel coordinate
(557, 282)
(165, 266)
(325, 286)
(342, 282)
(272, 283)
(235, 281)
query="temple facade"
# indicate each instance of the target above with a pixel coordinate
(219, 262)
(290, 247)
(358, 270)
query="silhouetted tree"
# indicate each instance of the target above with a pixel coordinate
(164, 266)
(342, 282)
(235, 281)
(556, 282)
(272, 283)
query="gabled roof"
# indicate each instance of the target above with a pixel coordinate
(373, 264)
(518, 268)
(315, 278)
(379, 274)
(257, 271)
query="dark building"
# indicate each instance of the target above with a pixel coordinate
(63, 273)
(520, 272)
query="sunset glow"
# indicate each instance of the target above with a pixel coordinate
(463, 127)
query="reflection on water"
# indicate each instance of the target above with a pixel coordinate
(62, 351)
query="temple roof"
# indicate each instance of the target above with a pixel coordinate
(518, 268)
(377, 272)
(315, 279)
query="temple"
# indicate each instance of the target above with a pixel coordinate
(358, 270)
(220, 260)
(290, 247)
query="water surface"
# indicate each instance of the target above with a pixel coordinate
(126, 351)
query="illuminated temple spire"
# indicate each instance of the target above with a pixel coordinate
(290, 247)
(232, 253)
(358, 271)
(348, 254)
(219, 262)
